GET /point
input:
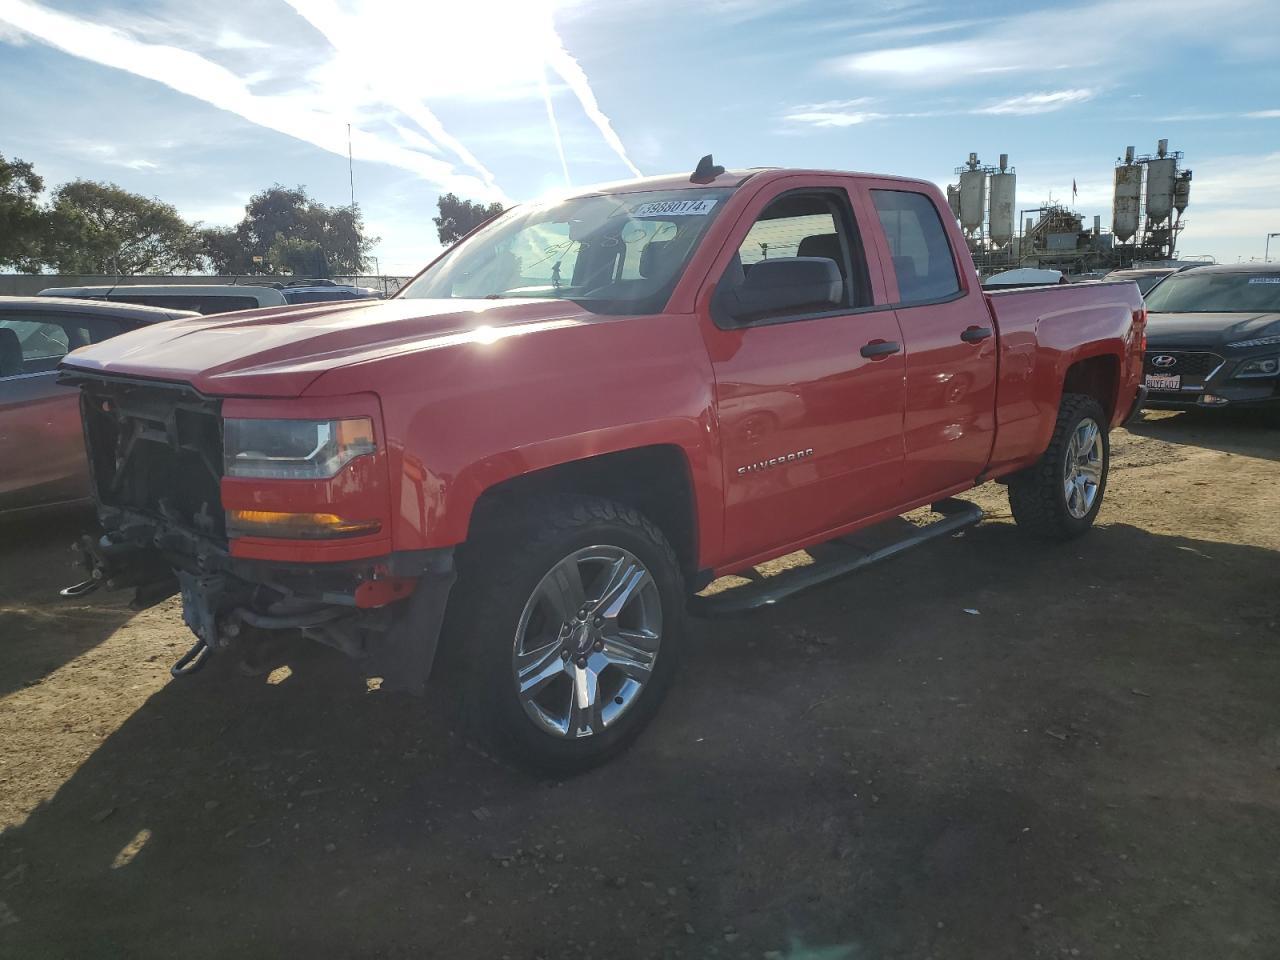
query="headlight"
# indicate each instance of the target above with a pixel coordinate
(293, 449)
(1262, 367)
(1259, 342)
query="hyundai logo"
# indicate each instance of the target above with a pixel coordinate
(1164, 360)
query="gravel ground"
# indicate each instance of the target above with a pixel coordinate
(1089, 765)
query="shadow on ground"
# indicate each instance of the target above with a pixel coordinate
(1087, 763)
(38, 631)
(1251, 433)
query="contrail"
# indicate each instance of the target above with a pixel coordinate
(571, 73)
(191, 74)
(555, 127)
(343, 33)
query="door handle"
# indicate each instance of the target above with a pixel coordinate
(879, 349)
(975, 334)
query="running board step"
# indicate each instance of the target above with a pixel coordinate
(835, 558)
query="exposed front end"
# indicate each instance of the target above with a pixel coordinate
(265, 515)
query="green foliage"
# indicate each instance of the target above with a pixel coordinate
(90, 227)
(301, 258)
(459, 217)
(284, 231)
(23, 224)
(102, 228)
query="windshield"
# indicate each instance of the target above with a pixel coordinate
(1146, 282)
(1202, 292)
(619, 253)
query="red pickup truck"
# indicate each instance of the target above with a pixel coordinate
(583, 413)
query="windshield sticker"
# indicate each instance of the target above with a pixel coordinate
(1264, 279)
(676, 208)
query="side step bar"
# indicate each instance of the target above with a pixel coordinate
(837, 558)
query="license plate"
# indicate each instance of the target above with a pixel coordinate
(1160, 381)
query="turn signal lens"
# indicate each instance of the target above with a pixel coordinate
(296, 526)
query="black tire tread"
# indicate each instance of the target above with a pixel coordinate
(496, 560)
(1035, 495)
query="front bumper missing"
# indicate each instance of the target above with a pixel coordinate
(229, 602)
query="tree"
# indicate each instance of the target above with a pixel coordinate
(223, 251)
(102, 228)
(23, 224)
(459, 217)
(284, 231)
(302, 258)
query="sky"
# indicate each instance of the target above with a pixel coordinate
(203, 105)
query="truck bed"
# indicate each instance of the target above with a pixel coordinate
(1041, 330)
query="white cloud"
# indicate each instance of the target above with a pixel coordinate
(1032, 103)
(834, 113)
(834, 118)
(1106, 36)
(850, 113)
(1235, 201)
(1264, 114)
(367, 67)
(305, 116)
(520, 41)
(108, 153)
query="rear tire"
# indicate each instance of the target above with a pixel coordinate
(564, 630)
(1060, 496)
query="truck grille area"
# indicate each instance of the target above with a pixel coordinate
(157, 449)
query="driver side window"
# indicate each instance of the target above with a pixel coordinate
(801, 258)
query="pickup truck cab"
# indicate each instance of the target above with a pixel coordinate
(581, 414)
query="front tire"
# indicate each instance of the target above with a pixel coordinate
(565, 631)
(1060, 496)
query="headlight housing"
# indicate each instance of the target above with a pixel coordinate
(293, 449)
(1256, 342)
(1260, 367)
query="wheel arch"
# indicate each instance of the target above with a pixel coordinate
(1096, 376)
(657, 480)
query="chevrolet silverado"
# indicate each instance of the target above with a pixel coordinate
(581, 415)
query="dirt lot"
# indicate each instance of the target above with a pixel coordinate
(1089, 766)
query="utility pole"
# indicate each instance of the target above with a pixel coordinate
(1266, 252)
(351, 174)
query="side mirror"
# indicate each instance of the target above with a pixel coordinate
(786, 285)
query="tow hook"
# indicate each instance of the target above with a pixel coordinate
(191, 661)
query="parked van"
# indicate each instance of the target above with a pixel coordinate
(199, 297)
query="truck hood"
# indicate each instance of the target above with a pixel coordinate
(280, 351)
(1166, 331)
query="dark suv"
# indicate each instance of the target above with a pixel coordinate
(1213, 338)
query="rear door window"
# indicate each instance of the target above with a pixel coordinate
(921, 252)
(37, 344)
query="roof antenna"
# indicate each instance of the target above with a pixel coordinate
(707, 170)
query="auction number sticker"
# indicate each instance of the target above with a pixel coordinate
(676, 208)
(1264, 279)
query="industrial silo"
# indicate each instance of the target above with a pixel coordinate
(1128, 197)
(1003, 190)
(973, 199)
(1160, 180)
(1182, 191)
(953, 199)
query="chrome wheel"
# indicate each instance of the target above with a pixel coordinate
(587, 641)
(1082, 472)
